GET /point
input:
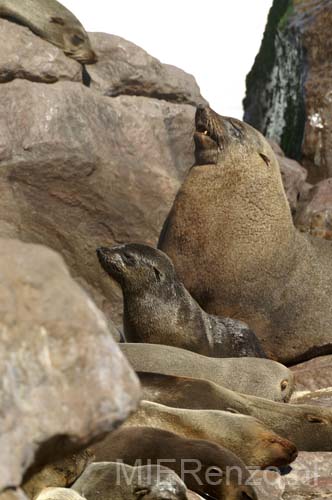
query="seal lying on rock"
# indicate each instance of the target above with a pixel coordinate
(231, 220)
(309, 427)
(151, 445)
(54, 23)
(118, 481)
(245, 436)
(258, 377)
(159, 310)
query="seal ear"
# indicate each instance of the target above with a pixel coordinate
(314, 419)
(57, 20)
(265, 158)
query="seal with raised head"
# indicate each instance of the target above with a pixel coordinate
(245, 436)
(54, 23)
(309, 427)
(196, 461)
(258, 377)
(231, 221)
(119, 481)
(159, 310)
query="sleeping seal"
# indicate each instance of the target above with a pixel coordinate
(159, 310)
(231, 220)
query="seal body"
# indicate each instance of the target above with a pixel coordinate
(119, 481)
(231, 220)
(309, 427)
(158, 309)
(258, 377)
(150, 445)
(51, 21)
(245, 436)
(58, 493)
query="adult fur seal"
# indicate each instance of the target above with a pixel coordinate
(231, 221)
(258, 377)
(159, 310)
(245, 436)
(194, 460)
(118, 481)
(58, 493)
(309, 427)
(54, 23)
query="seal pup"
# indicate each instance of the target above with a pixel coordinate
(159, 310)
(119, 481)
(200, 458)
(245, 436)
(231, 220)
(54, 23)
(308, 426)
(58, 494)
(258, 377)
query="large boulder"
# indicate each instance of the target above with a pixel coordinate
(289, 89)
(314, 374)
(314, 214)
(63, 380)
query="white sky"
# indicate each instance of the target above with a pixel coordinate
(215, 40)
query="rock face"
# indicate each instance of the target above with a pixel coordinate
(63, 380)
(79, 169)
(289, 89)
(314, 374)
(314, 214)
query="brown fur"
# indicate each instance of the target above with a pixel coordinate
(231, 220)
(150, 445)
(245, 436)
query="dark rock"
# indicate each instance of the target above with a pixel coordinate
(63, 380)
(289, 88)
(25, 55)
(124, 68)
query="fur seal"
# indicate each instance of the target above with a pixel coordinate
(61, 473)
(245, 436)
(151, 445)
(119, 481)
(258, 377)
(308, 426)
(231, 220)
(159, 310)
(58, 494)
(54, 23)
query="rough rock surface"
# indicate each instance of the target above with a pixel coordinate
(289, 89)
(25, 55)
(314, 374)
(125, 68)
(322, 397)
(314, 214)
(308, 478)
(63, 380)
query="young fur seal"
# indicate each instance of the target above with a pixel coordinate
(118, 481)
(309, 427)
(245, 436)
(54, 23)
(258, 377)
(198, 457)
(231, 221)
(159, 310)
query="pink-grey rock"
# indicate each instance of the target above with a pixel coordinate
(79, 170)
(293, 177)
(25, 55)
(314, 214)
(314, 374)
(321, 397)
(125, 68)
(63, 380)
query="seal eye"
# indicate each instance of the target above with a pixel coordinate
(284, 385)
(76, 40)
(128, 259)
(265, 158)
(157, 273)
(141, 492)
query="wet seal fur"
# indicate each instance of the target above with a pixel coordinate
(245, 436)
(231, 220)
(118, 481)
(309, 427)
(54, 23)
(159, 310)
(152, 445)
(258, 377)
